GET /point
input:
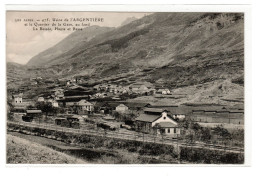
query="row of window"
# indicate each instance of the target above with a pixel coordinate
(169, 130)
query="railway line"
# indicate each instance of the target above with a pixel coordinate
(134, 136)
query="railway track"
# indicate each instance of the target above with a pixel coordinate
(131, 136)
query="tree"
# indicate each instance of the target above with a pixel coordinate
(45, 107)
(195, 126)
(219, 130)
(205, 134)
(185, 124)
(30, 107)
(116, 115)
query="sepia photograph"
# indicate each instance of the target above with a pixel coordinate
(101, 87)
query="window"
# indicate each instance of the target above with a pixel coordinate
(164, 118)
(174, 130)
(169, 130)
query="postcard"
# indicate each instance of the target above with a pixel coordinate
(125, 87)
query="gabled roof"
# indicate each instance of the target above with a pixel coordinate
(122, 105)
(153, 110)
(136, 104)
(20, 95)
(147, 118)
(84, 103)
(135, 86)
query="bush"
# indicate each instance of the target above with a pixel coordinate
(210, 156)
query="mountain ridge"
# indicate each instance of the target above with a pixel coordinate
(171, 50)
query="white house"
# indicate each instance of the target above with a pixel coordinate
(163, 124)
(121, 108)
(164, 91)
(40, 99)
(85, 107)
(18, 99)
(166, 125)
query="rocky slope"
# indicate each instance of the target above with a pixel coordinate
(173, 50)
(77, 38)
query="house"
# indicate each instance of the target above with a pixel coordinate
(96, 87)
(125, 90)
(59, 94)
(68, 83)
(163, 124)
(19, 101)
(31, 114)
(18, 98)
(84, 107)
(54, 103)
(164, 91)
(122, 108)
(178, 116)
(139, 88)
(103, 87)
(103, 107)
(177, 112)
(40, 99)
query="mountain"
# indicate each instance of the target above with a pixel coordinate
(14, 73)
(128, 20)
(172, 50)
(76, 38)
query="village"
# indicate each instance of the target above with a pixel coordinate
(70, 103)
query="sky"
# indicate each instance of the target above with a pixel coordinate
(22, 43)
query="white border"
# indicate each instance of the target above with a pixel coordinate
(121, 170)
(157, 8)
(132, 8)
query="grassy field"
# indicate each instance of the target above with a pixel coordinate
(22, 151)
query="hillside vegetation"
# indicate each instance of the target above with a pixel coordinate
(21, 151)
(173, 50)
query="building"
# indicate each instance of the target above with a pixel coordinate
(163, 124)
(218, 116)
(96, 87)
(21, 102)
(18, 99)
(153, 111)
(31, 114)
(178, 116)
(40, 99)
(84, 107)
(139, 88)
(103, 107)
(122, 108)
(163, 91)
(59, 94)
(54, 103)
